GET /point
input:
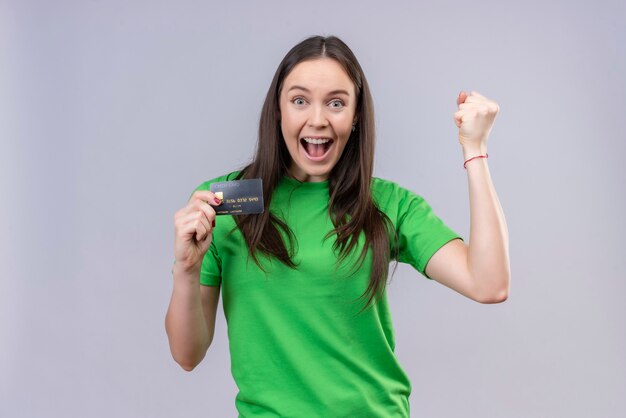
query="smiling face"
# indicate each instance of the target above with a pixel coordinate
(317, 110)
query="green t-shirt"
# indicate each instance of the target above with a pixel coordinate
(297, 346)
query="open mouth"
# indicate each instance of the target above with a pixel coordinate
(316, 148)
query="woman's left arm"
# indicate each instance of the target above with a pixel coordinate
(480, 270)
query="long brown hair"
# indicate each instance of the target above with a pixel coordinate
(351, 207)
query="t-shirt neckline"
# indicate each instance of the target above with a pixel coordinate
(307, 185)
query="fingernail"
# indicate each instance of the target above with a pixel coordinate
(217, 200)
(213, 223)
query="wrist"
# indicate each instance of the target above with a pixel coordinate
(475, 161)
(185, 273)
(475, 155)
(471, 152)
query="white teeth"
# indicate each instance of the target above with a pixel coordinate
(316, 141)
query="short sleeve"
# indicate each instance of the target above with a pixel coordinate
(420, 232)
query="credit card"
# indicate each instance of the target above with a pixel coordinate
(239, 197)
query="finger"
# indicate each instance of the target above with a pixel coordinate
(481, 108)
(200, 206)
(201, 230)
(458, 118)
(491, 104)
(209, 214)
(465, 115)
(470, 115)
(206, 196)
(476, 99)
(461, 97)
(471, 106)
(188, 225)
(183, 220)
(200, 227)
(206, 209)
(192, 206)
(203, 225)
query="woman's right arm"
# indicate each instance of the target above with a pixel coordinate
(190, 318)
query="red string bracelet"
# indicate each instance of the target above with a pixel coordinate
(473, 158)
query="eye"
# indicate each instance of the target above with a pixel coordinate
(337, 104)
(299, 101)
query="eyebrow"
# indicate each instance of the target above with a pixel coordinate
(339, 91)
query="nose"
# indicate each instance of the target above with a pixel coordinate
(317, 118)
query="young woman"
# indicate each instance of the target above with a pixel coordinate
(303, 283)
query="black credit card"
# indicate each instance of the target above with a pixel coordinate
(239, 197)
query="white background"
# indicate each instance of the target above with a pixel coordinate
(111, 113)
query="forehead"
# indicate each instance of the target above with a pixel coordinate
(324, 74)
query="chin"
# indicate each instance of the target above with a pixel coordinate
(317, 172)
